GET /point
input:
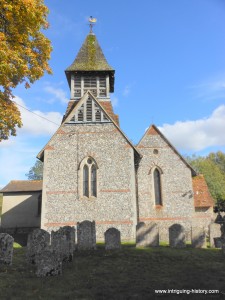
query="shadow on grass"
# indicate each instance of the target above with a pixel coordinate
(126, 274)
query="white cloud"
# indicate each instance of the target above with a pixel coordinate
(17, 160)
(126, 90)
(199, 134)
(210, 90)
(37, 122)
(57, 93)
(114, 101)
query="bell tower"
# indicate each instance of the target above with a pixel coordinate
(90, 71)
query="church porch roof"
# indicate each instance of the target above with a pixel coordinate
(22, 186)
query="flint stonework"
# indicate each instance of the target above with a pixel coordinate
(214, 235)
(37, 241)
(48, 263)
(63, 242)
(6, 248)
(177, 236)
(198, 237)
(86, 235)
(112, 239)
(147, 235)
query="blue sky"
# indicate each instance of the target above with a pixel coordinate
(170, 71)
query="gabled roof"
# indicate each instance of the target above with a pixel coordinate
(153, 130)
(22, 186)
(70, 114)
(202, 196)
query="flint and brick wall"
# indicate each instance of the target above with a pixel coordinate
(115, 205)
(176, 187)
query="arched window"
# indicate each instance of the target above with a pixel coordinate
(88, 169)
(157, 187)
(93, 180)
(85, 181)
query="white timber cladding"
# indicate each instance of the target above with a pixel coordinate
(89, 111)
(98, 85)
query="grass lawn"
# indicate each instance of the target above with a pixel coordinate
(127, 274)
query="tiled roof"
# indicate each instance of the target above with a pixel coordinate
(90, 57)
(202, 196)
(22, 186)
(107, 105)
(70, 107)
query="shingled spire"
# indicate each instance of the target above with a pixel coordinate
(90, 58)
(90, 71)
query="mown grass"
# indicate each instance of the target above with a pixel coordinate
(127, 274)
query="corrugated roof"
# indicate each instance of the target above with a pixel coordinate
(22, 186)
(202, 196)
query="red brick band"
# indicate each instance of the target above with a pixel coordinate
(121, 222)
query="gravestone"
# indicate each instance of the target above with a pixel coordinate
(86, 235)
(215, 235)
(112, 239)
(198, 237)
(37, 241)
(147, 235)
(48, 263)
(177, 236)
(6, 248)
(63, 242)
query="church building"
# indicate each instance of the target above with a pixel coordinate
(92, 171)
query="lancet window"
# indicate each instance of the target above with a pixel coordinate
(89, 177)
(157, 187)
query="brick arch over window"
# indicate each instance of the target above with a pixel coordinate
(88, 178)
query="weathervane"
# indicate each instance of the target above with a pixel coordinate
(92, 22)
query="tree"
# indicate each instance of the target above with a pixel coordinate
(219, 159)
(214, 175)
(36, 172)
(24, 54)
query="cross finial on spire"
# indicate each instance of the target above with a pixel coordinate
(92, 22)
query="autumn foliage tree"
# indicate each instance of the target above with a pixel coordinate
(24, 54)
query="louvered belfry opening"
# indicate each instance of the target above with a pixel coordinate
(89, 111)
(95, 83)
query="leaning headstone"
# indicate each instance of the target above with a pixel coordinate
(147, 235)
(86, 235)
(198, 237)
(112, 239)
(48, 263)
(37, 241)
(215, 235)
(63, 242)
(6, 248)
(177, 236)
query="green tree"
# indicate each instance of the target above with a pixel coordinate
(219, 159)
(24, 54)
(36, 172)
(212, 172)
